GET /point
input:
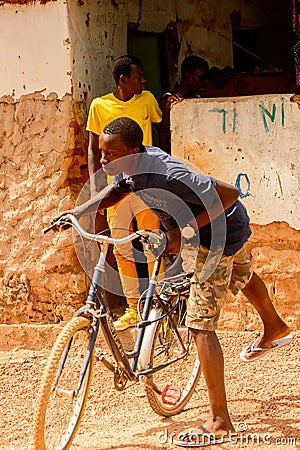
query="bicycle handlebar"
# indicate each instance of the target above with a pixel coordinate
(154, 238)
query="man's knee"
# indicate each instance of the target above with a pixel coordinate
(195, 332)
(204, 318)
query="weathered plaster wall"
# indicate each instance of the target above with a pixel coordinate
(60, 46)
(98, 33)
(42, 165)
(35, 49)
(42, 162)
(252, 142)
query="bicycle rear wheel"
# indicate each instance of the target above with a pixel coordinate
(181, 376)
(60, 402)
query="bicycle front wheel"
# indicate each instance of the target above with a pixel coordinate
(178, 380)
(61, 398)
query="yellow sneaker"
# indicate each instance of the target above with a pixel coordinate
(129, 319)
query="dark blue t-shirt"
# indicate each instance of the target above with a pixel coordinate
(177, 195)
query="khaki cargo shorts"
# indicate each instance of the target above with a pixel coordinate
(215, 273)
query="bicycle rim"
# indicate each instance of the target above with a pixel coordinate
(60, 404)
(182, 376)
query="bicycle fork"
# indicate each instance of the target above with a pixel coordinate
(97, 307)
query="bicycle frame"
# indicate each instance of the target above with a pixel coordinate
(97, 306)
(162, 339)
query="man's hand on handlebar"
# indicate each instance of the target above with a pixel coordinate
(57, 224)
(63, 213)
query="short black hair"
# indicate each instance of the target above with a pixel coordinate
(193, 62)
(129, 130)
(122, 66)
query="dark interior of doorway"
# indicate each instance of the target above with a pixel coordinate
(149, 48)
(265, 47)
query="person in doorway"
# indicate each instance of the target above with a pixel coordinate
(295, 99)
(164, 183)
(194, 75)
(129, 99)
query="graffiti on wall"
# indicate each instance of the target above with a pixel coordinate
(264, 111)
(242, 183)
(251, 142)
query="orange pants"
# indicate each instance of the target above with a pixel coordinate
(120, 220)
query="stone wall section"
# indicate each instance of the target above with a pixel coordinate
(42, 166)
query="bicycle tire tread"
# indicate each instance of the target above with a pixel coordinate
(63, 338)
(152, 397)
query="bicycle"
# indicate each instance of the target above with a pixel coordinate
(164, 356)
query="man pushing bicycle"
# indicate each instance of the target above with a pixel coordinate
(196, 206)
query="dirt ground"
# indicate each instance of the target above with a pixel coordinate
(263, 397)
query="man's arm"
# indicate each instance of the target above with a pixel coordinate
(164, 132)
(104, 199)
(93, 161)
(225, 196)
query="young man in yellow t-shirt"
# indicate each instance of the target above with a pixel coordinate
(129, 100)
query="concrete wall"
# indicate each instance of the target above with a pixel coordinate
(253, 143)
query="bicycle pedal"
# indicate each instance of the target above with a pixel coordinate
(106, 363)
(171, 395)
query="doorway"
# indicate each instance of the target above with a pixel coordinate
(148, 48)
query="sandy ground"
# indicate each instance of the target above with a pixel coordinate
(263, 397)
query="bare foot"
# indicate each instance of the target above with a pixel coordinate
(217, 426)
(213, 431)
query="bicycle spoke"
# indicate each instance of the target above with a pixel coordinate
(178, 380)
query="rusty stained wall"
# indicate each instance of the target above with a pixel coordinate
(42, 163)
(253, 143)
